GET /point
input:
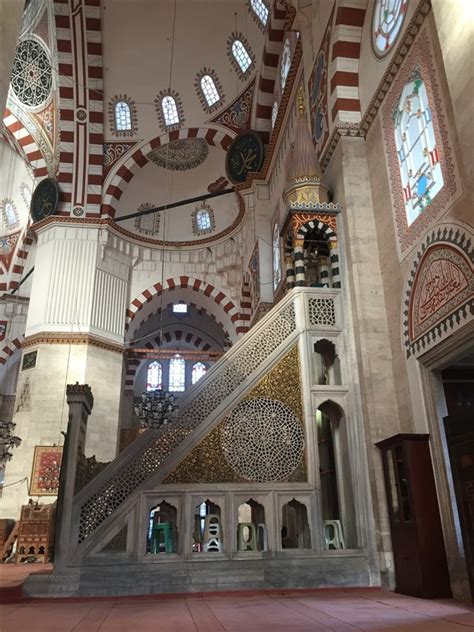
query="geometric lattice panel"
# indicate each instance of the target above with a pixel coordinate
(31, 77)
(322, 311)
(215, 389)
(262, 440)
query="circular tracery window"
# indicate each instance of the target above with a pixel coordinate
(31, 75)
(262, 440)
(386, 24)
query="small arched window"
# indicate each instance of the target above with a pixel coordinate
(154, 380)
(170, 110)
(240, 54)
(260, 10)
(177, 374)
(285, 64)
(123, 117)
(203, 220)
(209, 90)
(198, 370)
(10, 215)
(274, 114)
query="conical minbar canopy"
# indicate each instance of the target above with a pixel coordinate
(305, 189)
(303, 159)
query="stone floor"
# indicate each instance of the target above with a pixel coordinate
(371, 610)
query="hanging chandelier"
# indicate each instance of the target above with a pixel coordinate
(156, 408)
(7, 440)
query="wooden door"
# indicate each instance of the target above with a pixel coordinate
(460, 437)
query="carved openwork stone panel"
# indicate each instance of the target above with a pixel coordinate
(262, 440)
(239, 368)
(216, 388)
(31, 79)
(322, 311)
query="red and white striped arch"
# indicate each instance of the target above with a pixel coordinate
(229, 314)
(268, 70)
(344, 100)
(202, 311)
(27, 143)
(124, 170)
(19, 259)
(178, 336)
(9, 350)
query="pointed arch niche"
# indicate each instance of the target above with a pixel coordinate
(336, 479)
(326, 364)
(162, 529)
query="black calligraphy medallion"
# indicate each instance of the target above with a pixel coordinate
(45, 199)
(244, 156)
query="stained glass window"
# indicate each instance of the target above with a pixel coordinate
(418, 154)
(123, 116)
(198, 370)
(241, 56)
(276, 257)
(261, 10)
(154, 379)
(285, 64)
(209, 90)
(170, 110)
(203, 219)
(10, 214)
(386, 23)
(177, 375)
(274, 114)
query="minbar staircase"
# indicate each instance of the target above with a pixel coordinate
(113, 504)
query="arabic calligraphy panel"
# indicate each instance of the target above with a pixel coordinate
(442, 284)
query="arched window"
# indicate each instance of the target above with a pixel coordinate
(274, 114)
(285, 64)
(198, 370)
(170, 110)
(209, 90)
(203, 220)
(276, 257)
(123, 117)
(240, 54)
(10, 215)
(177, 375)
(260, 10)
(417, 151)
(154, 378)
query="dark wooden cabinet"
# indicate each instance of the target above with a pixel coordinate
(421, 568)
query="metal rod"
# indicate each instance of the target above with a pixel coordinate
(22, 280)
(165, 207)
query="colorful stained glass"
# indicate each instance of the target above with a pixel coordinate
(154, 380)
(418, 154)
(387, 21)
(177, 374)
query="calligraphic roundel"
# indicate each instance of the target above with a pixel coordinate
(443, 283)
